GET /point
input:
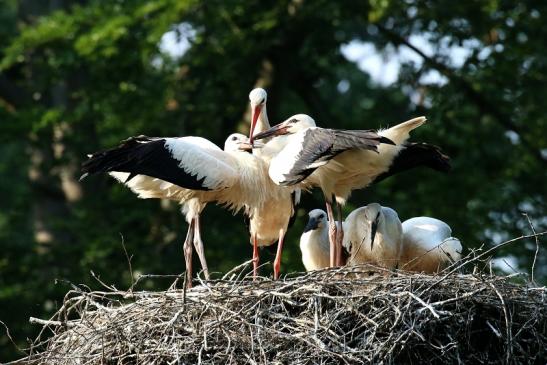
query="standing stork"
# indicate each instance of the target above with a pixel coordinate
(190, 170)
(268, 223)
(373, 235)
(339, 161)
(428, 245)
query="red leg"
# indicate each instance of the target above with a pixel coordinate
(188, 253)
(198, 244)
(277, 261)
(256, 257)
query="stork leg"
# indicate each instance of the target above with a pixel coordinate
(332, 235)
(277, 261)
(339, 236)
(198, 244)
(255, 257)
(188, 253)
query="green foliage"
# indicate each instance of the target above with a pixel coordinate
(80, 78)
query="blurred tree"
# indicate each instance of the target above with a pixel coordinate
(79, 76)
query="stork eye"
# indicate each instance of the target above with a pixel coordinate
(234, 138)
(261, 101)
(292, 121)
(321, 216)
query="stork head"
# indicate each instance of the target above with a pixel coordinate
(257, 98)
(373, 217)
(237, 142)
(317, 219)
(294, 124)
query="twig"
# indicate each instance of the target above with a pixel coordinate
(485, 253)
(128, 262)
(10, 338)
(537, 244)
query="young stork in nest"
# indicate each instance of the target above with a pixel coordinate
(314, 241)
(428, 245)
(373, 235)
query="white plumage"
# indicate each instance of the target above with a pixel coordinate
(373, 234)
(337, 161)
(340, 173)
(314, 241)
(191, 171)
(268, 222)
(428, 245)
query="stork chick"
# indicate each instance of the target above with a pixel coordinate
(373, 234)
(428, 245)
(314, 241)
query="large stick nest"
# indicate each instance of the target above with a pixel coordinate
(334, 316)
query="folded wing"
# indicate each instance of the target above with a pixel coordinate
(315, 147)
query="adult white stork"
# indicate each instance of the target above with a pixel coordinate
(190, 170)
(428, 245)
(314, 241)
(269, 222)
(339, 161)
(373, 235)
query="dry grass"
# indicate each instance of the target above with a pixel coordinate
(349, 315)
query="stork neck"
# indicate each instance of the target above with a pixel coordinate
(262, 123)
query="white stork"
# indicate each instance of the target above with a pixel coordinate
(428, 245)
(269, 222)
(190, 170)
(314, 241)
(373, 234)
(339, 161)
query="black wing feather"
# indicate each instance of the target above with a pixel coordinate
(416, 155)
(321, 145)
(142, 156)
(292, 219)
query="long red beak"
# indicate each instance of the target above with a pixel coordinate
(277, 130)
(256, 113)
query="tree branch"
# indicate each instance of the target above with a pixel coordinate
(484, 105)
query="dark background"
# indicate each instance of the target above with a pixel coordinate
(78, 76)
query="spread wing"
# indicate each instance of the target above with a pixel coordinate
(315, 147)
(189, 162)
